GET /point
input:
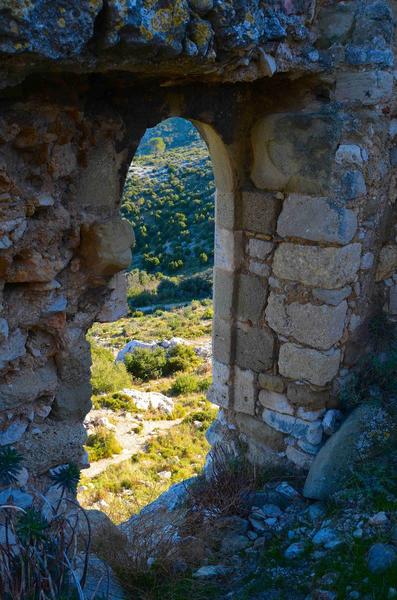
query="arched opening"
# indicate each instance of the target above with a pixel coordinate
(152, 368)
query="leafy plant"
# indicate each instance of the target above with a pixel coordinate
(10, 465)
(31, 526)
(189, 384)
(181, 358)
(102, 444)
(66, 477)
(146, 364)
(106, 375)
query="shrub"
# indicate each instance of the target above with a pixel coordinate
(106, 375)
(188, 384)
(102, 444)
(146, 364)
(182, 358)
(116, 402)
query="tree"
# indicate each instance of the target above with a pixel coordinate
(158, 145)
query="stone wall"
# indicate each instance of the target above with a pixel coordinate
(303, 153)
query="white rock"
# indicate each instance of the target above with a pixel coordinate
(150, 401)
(14, 432)
(331, 421)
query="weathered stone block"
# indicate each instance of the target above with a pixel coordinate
(275, 383)
(259, 212)
(335, 23)
(309, 365)
(286, 423)
(116, 305)
(316, 219)
(318, 326)
(28, 385)
(225, 206)
(299, 457)
(228, 249)
(223, 293)
(244, 391)
(294, 152)
(251, 299)
(364, 87)
(259, 248)
(254, 348)
(219, 393)
(260, 432)
(387, 264)
(319, 267)
(221, 340)
(106, 247)
(350, 154)
(275, 401)
(333, 297)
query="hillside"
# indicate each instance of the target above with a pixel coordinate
(169, 200)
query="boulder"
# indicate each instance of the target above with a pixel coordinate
(362, 429)
(150, 400)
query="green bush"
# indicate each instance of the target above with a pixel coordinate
(182, 358)
(116, 402)
(188, 384)
(146, 364)
(106, 375)
(102, 444)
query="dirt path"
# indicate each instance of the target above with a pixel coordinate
(130, 441)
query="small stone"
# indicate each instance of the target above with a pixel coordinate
(14, 432)
(380, 557)
(327, 538)
(331, 421)
(234, 543)
(164, 474)
(271, 510)
(287, 490)
(294, 550)
(358, 533)
(16, 497)
(316, 511)
(211, 571)
(379, 520)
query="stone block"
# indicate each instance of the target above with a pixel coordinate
(219, 393)
(13, 347)
(332, 297)
(316, 219)
(228, 249)
(259, 249)
(221, 340)
(27, 385)
(260, 432)
(275, 401)
(387, 264)
(244, 391)
(365, 87)
(275, 383)
(116, 305)
(299, 457)
(294, 152)
(335, 23)
(251, 298)
(259, 268)
(350, 154)
(225, 206)
(352, 185)
(318, 368)
(286, 423)
(259, 212)
(318, 267)
(106, 247)
(302, 395)
(223, 293)
(254, 348)
(318, 326)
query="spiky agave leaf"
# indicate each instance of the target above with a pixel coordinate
(31, 526)
(10, 465)
(67, 477)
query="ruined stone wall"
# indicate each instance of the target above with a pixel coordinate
(305, 226)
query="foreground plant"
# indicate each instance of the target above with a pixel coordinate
(43, 555)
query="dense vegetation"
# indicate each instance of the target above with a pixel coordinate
(169, 199)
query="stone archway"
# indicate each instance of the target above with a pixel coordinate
(303, 207)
